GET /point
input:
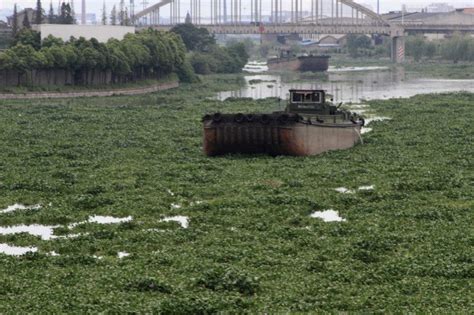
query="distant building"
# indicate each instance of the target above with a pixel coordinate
(466, 10)
(439, 8)
(91, 18)
(31, 13)
(100, 32)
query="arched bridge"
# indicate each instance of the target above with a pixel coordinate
(286, 17)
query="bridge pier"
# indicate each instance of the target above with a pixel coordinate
(398, 49)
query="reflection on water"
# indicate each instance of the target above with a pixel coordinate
(348, 85)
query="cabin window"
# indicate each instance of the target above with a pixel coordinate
(316, 97)
(297, 97)
(313, 97)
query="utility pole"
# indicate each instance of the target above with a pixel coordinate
(83, 12)
(225, 11)
(378, 7)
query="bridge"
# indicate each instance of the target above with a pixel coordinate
(288, 17)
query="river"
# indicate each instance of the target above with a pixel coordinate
(348, 85)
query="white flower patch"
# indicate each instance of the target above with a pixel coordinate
(328, 216)
(16, 250)
(176, 206)
(344, 190)
(18, 206)
(183, 221)
(170, 192)
(365, 130)
(376, 118)
(371, 187)
(102, 220)
(45, 232)
(121, 255)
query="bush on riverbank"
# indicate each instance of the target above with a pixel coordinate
(206, 56)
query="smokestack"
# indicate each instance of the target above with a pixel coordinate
(83, 14)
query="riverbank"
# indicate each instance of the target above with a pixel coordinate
(433, 68)
(152, 88)
(124, 213)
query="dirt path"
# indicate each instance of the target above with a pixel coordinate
(129, 91)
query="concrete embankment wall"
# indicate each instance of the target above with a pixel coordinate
(130, 91)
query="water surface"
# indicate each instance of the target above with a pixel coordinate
(350, 84)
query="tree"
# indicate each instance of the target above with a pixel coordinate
(457, 48)
(127, 18)
(51, 16)
(104, 14)
(73, 12)
(26, 21)
(122, 13)
(113, 16)
(15, 20)
(28, 37)
(415, 47)
(194, 38)
(65, 16)
(430, 50)
(355, 43)
(39, 13)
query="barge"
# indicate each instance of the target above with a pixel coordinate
(309, 126)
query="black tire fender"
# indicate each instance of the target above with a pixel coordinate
(217, 117)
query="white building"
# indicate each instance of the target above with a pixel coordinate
(100, 32)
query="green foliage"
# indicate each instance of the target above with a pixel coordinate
(195, 39)
(415, 47)
(28, 37)
(458, 48)
(206, 57)
(251, 246)
(356, 43)
(221, 279)
(39, 14)
(148, 54)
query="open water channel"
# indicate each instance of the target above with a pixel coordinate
(350, 84)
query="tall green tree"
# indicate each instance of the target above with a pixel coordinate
(73, 11)
(51, 16)
(65, 16)
(113, 16)
(15, 20)
(122, 12)
(193, 37)
(26, 21)
(39, 14)
(104, 14)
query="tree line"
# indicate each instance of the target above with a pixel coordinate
(457, 48)
(206, 56)
(144, 55)
(149, 54)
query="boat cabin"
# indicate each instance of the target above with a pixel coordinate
(308, 101)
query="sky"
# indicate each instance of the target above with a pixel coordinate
(95, 6)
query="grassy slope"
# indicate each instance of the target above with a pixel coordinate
(251, 244)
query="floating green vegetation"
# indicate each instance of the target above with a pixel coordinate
(257, 81)
(249, 243)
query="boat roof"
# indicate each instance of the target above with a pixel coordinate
(306, 91)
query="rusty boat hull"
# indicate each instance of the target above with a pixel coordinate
(264, 134)
(304, 63)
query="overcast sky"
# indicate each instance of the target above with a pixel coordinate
(95, 6)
